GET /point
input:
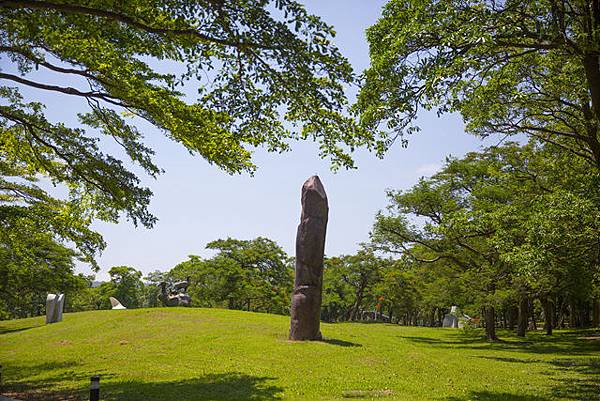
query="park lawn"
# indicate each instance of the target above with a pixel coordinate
(190, 354)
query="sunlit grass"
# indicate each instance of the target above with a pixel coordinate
(211, 354)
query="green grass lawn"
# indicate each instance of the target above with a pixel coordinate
(210, 354)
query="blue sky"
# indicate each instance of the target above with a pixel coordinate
(197, 203)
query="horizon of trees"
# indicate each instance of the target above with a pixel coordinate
(509, 233)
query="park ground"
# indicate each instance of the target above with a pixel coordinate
(212, 354)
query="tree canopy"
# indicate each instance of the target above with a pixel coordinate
(507, 224)
(508, 67)
(266, 72)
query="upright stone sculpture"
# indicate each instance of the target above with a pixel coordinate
(60, 305)
(310, 247)
(54, 307)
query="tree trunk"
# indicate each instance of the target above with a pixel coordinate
(357, 303)
(572, 316)
(561, 314)
(584, 315)
(533, 320)
(596, 313)
(548, 315)
(523, 316)
(490, 323)
(512, 317)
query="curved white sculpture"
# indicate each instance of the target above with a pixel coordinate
(451, 320)
(54, 307)
(116, 304)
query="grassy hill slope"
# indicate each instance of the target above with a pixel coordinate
(211, 354)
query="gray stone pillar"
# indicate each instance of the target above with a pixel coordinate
(310, 248)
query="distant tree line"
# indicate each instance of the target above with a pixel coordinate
(509, 234)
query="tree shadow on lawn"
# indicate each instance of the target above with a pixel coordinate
(577, 358)
(566, 343)
(340, 343)
(215, 387)
(30, 325)
(20, 381)
(584, 386)
(496, 396)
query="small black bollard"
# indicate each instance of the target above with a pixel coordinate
(95, 388)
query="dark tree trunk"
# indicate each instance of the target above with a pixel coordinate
(561, 313)
(523, 317)
(596, 313)
(548, 314)
(532, 310)
(356, 306)
(512, 317)
(584, 315)
(591, 66)
(572, 316)
(490, 323)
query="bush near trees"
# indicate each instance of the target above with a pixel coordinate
(254, 275)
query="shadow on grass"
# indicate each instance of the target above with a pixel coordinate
(496, 396)
(584, 386)
(566, 343)
(22, 382)
(340, 343)
(30, 325)
(215, 387)
(584, 383)
(577, 358)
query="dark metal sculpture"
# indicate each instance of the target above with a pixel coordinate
(176, 295)
(310, 247)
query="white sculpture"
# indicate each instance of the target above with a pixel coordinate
(54, 307)
(60, 304)
(451, 320)
(116, 304)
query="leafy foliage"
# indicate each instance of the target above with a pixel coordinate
(499, 225)
(253, 274)
(508, 67)
(266, 73)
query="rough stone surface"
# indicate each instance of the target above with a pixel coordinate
(310, 247)
(176, 296)
(54, 307)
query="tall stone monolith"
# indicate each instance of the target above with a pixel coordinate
(310, 247)
(54, 307)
